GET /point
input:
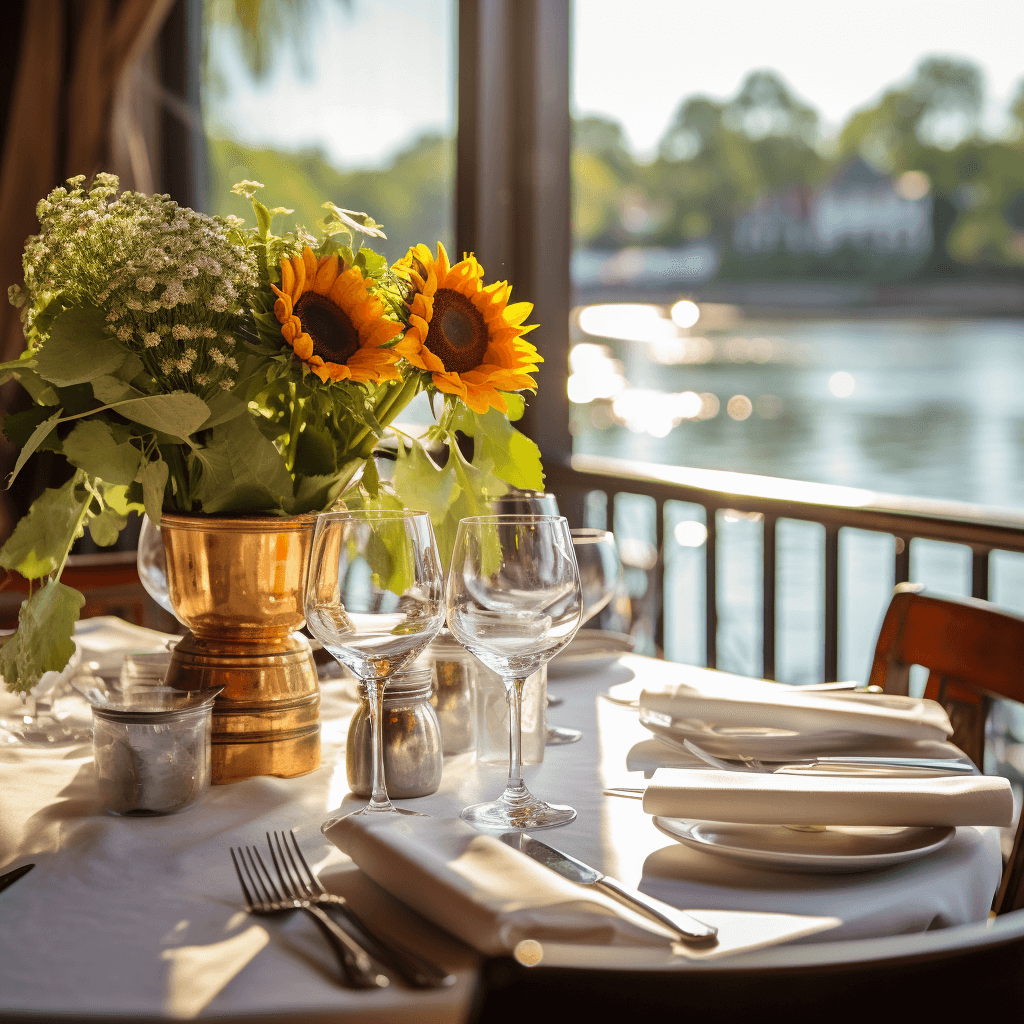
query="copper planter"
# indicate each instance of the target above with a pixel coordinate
(238, 585)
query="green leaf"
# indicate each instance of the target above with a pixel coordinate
(36, 438)
(45, 532)
(154, 483)
(106, 527)
(315, 453)
(512, 455)
(516, 405)
(18, 426)
(120, 500)
(43, 641)
(242, 471)
(223, 406)
(371, 478)
(93, 447)
(371, 263)
(177, 413)
(316, 493)
(79, 348)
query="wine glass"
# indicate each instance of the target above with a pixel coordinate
(524, 503)
(514, 601)
(375, 600)
(152, 562)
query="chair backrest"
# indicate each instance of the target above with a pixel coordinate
(973, 651)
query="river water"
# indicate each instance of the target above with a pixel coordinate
(921, 408)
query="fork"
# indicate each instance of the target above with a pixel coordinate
(416, 970)
(265, 898)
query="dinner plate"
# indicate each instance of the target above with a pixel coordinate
(590, 651)
(834, 850)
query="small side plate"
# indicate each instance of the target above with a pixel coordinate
(835, 850)
(590, 651)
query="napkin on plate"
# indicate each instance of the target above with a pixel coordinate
(481, 890)
(721, 711)
(759, 799)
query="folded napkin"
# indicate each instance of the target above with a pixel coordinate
(474, 886)
(829, 800)
(104, 640)
(718, 709)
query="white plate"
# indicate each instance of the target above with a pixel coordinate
(835, 850)
(590, 651)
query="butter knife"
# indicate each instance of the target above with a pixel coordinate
(686, 927)
(12, 876)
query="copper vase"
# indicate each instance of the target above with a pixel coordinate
(238, 585)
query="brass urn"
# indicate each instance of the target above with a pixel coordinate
(238, 585)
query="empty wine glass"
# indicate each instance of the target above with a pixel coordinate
(514, 601)
(152, 563)
(524, 503)
(600, 573)
(375, 600)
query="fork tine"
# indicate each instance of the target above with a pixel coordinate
(241, 880)
(269, 879)
(314, 881)
(285, 882)
(282, 846)
(259, 892)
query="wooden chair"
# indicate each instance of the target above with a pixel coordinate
(974, 652)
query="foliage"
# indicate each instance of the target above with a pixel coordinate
(171, 374)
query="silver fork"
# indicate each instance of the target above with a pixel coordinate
(413, 968)
(263, 897)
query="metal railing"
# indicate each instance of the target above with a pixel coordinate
(771, 499)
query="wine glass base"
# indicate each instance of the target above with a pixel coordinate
(559, 735)
(499, 816)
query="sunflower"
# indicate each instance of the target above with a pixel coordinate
(333, 323)
(464, 334)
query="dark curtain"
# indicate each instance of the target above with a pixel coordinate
(69, 76)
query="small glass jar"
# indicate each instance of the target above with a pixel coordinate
(492, 717)
(410, 736)
(151, 759)
(454, 674)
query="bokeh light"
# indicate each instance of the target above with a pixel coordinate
(685, 313)
(841, 384)
(739, 407)
(690, 533)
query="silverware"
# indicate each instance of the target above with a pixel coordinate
(356, 967)
(686, 927)
(10, 877)
(413, 968)
(828, 765)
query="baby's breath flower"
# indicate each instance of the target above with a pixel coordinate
(124, 332)
(151, 339)
(181, 332)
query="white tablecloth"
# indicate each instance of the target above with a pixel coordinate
(143, 915)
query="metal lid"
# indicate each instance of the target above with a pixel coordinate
(416, 681)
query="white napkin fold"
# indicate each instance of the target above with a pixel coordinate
(710, 705)
(481, 890)
(829, 800)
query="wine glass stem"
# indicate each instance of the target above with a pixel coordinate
(515, 791)
(379, 794)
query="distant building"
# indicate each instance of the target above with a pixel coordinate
(859, 208)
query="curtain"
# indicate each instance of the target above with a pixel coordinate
(72, 58)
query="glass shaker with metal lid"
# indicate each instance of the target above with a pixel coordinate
(410, 737)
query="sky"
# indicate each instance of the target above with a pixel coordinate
(391, 69)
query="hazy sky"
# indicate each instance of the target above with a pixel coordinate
(384, 69)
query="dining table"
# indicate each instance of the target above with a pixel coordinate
(143, 917)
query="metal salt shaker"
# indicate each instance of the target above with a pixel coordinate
(454, 672)
(410, 736)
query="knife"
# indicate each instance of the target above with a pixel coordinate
(687, 927)
(12, 876)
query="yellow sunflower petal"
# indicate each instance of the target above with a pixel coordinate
(450, 384)
(309, 265)
(517, 312)
(441, 265)
(326, 275)
(303, 346)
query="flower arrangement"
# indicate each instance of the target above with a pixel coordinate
(187, 363)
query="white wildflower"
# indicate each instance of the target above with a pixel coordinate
(166, 365)
(231, 363)
(227, 384)
(218, 303)
(124, 332)
(217, 356)
(188, 357)
(181, 332)
(173, 294)
(133, 303)
(208, 332)
(145, 284)
(113, 315)
(151, 340)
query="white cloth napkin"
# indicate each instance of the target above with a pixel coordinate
(494, 898)
(481, 890)
(723, 712)
(759, 799)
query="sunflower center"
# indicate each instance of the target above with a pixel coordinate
(458, 333)
(335, 338)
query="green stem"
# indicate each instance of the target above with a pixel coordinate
(389, 408)
(294, 427)
(79, 525)
(173, 459)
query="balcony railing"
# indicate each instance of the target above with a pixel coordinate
(771, 499)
